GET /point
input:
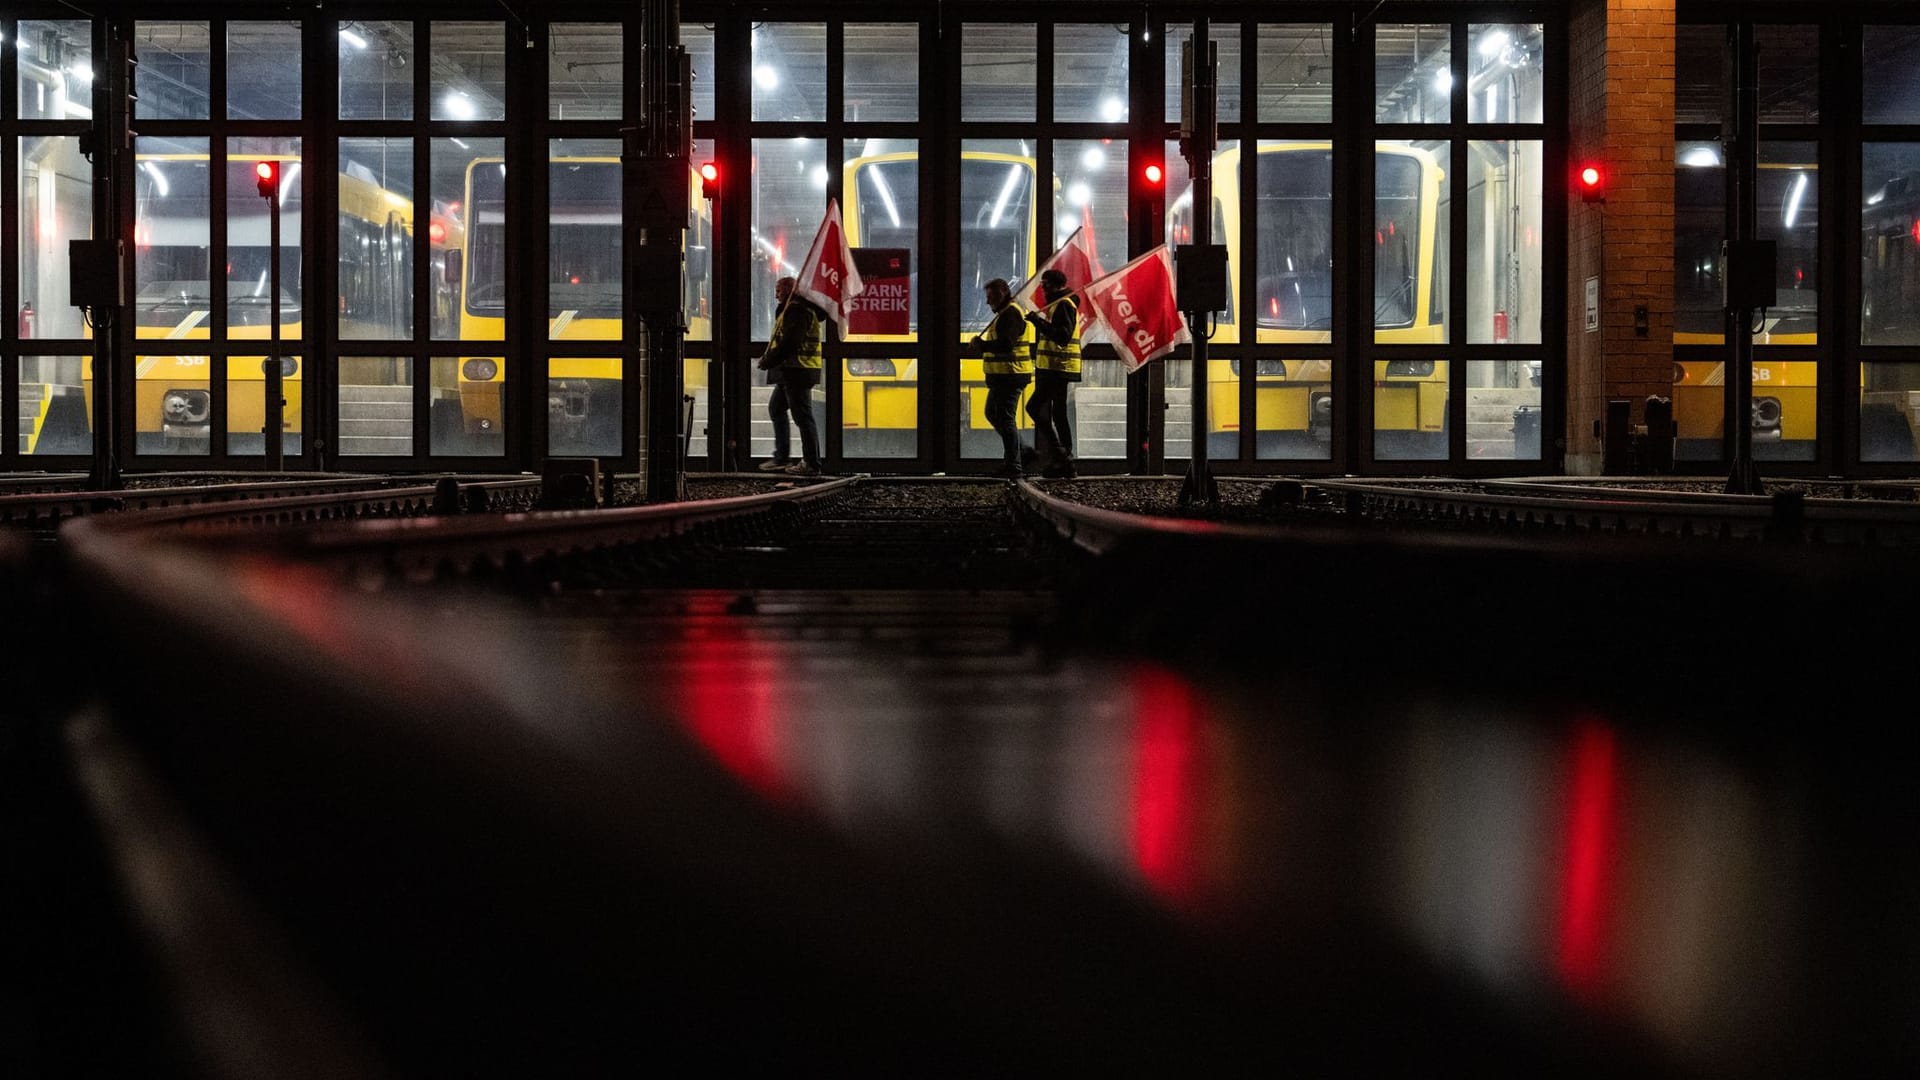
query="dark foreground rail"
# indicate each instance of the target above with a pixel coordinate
(1573, 507)
(448, 496)
(50, 509)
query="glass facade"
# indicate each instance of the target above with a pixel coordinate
(959, 148)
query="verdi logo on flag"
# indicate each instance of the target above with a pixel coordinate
(1077, 260)
(828, 277)
(1134, 308)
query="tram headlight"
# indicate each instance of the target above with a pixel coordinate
(1766, 413)
(185, 406)
(479, 370)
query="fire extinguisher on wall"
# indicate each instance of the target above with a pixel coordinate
(1499, 328)
(26, 320)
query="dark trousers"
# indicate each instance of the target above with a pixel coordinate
(793, 393)
(1003, 403)
(1052, 433)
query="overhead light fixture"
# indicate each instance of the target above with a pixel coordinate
(352, 38)
(82, 72)
(1443, 81)
(765, 77)
(820, 177)
(1078, 193)
(1701, 157)
(458, 106)
(1094, 159)
(1491, 44)
(1113, 110)
(161, 187)
(1793, 199)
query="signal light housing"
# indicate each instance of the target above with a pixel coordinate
(1153, 173)
(709, 180)
(1592, 181)
(267, 176)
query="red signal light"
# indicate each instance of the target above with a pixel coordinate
(437, 233)
(267, 177)
(709, 180)
(1592, 183)
(1153, 173)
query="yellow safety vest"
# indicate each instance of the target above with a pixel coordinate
(810, 353)
(1008, 358)
(1051, 356)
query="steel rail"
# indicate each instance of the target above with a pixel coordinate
(1602, 510)
(51, 508)
(419, 549)
(481, 497)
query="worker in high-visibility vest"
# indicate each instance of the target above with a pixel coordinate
(1056, 366)
(1006, 355)
(792, 362)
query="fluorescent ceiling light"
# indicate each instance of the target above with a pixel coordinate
(353, 39)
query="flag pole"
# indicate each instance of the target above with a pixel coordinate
(1198, 74)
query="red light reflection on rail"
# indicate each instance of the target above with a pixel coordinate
(731, 708)
(1166, 782)
(1591, 833)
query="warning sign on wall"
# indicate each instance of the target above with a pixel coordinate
(884, 307)
(1593, 304)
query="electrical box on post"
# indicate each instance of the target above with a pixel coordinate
(1200, 277)
(93, 268)
(1748, 274)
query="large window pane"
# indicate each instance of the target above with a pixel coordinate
(1785, 419)
(1222, 380)
(997, 72)
(172, 76)
(1296, 73)
(173, 404)
(700, 254)
(790, 71)
(1699, 224)
(1410, 401)
(247, 408)
(1412, 191)
(1700, 77)
(172, 297)
(468, 391)
(1789, 212)
(883, 71)
(1890, 244)
(249, 248)
(880, 398)
(53, 406)
(1505, 73)
(1091, 177)
(1503, 242)
(584, 248)
(1889, 412)
(376, 406)
(998, 239)
(469, 80)
(584, 71)
(376, 245)
(789, 200)
(1789, 74)
(1090, 72)
(583, 406)
(1413, 73)
(56, 206)
(56, 69)
(263, 70)
(469, 185)
(699, 44)
(1293, 304)
(997, 234)
(1889, 74)
(1503, 410)
(1227, 37)
(376, 70)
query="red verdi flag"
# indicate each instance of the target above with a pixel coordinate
(828, 277)
(1136, 310)
(1076, 259)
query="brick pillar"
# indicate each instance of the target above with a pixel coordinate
(1620, 114)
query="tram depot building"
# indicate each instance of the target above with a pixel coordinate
(1466, 239)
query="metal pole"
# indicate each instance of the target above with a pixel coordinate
(665, 142)
(273, 398)
(112, 139)
(1202, 86)
(1743, 174)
